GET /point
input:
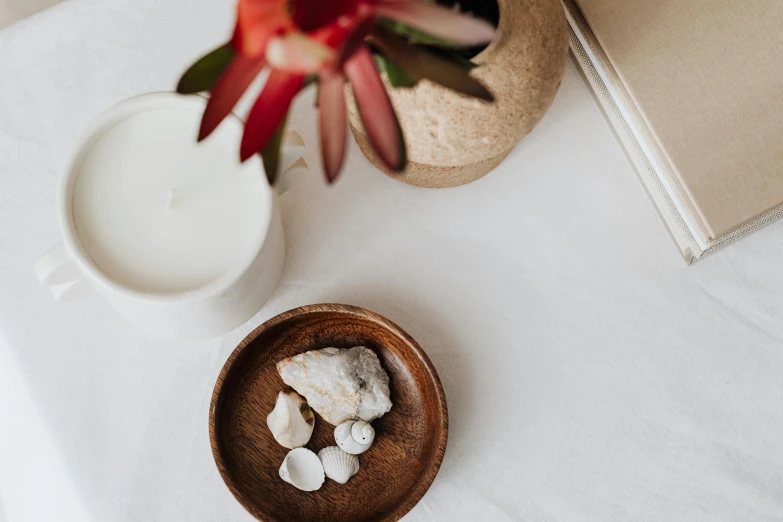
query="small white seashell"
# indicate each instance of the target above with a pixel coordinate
(338, 465)
(354, 437)
(302, 469)
(292, 420)
(362, 432)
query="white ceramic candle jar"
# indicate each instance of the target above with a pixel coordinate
(181, 238)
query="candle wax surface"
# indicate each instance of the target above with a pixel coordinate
(159, 213)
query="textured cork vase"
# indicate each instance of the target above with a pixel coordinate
(453, 139)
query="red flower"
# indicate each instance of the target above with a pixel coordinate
(325, 39)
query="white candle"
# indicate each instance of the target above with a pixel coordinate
(159, 213)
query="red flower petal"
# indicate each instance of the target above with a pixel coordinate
(355, 39)
(438, 21)
(347, 33)
(229, 88)
(257, 22)
(333, 125)
(270, 108)
(376, 109)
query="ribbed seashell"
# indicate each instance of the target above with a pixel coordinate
(338, 465)
(354, 437)
(302, 469)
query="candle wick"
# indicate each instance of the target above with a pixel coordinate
(170, 199)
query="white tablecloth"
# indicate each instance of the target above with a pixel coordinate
(590, 375)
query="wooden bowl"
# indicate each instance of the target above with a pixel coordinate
(410, 440)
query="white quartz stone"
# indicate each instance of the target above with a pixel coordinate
(339, 385)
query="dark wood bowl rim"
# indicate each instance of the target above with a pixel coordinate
(429, 474)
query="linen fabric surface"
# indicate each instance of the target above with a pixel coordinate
(590, 376)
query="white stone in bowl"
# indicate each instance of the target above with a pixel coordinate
(339, 384)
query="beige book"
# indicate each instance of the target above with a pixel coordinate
(694, 92)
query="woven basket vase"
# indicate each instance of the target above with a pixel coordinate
(453, 139)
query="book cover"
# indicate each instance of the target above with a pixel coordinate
(692, 90)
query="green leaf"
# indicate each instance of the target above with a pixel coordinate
(271, 153)
(397, 77)
(451, 50)
(403, 149)
(202, 75)
(455, 56)
(414, 35)
(419, 64)
(310, 79)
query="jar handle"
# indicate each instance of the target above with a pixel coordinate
(293, 166)
(56, 270)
